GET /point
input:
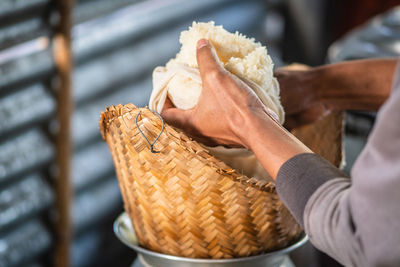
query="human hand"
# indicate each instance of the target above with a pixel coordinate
(300, 95)
(224, 107)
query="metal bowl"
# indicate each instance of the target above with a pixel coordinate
(124, 231)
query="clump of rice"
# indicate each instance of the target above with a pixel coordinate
(240, 55)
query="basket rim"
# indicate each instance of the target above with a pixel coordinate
(106, 119)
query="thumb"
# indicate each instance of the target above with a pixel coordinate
(207, 59)
(174, 116)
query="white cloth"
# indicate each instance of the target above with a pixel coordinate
(182, 84)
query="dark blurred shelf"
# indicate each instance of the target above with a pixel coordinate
(27, 151)
(15, 10)
(22, 244)
(23, 199)
(91, 164)
(122, 26)
(25, 107)
(108, 72)
(35, 65)
(91, 9)
(85, 119)
(95, 203)
(23, 31)
(113, 252)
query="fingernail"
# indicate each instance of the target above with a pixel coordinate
(201, 43)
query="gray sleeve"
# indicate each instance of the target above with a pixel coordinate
(355, 221)
(329, 224)
(358, 223)
(313, 191)
(300, 177)
(318, 195)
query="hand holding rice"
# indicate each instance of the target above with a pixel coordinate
(180, 80)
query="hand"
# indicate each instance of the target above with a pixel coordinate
(224, 106)
(231, 114)
(300, 95)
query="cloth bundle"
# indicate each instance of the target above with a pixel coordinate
(180, 81)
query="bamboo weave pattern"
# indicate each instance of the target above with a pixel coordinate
(185, 202)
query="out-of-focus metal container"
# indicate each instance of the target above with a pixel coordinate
(124, 231)
(379, 37)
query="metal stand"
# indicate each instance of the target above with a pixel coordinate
(139, 262)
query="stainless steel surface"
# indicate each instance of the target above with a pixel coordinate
(138, 262)
(379, 37)
(124, 231)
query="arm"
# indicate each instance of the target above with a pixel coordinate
(356, 85)
(357, 221)
(308, 93)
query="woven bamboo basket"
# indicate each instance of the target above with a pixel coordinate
(183, 201)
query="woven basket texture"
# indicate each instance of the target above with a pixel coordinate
(185, 202)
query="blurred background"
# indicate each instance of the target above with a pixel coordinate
(115, 46)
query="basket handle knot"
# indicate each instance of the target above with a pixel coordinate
(151, 145)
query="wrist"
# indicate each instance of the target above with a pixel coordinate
(248, 130)
(272, 144)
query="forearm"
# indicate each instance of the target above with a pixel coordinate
(272, 144)
(355, 85)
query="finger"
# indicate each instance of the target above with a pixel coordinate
(279, 73)
(168, 104)
(207, 59)
(174, 116)
(296, 67)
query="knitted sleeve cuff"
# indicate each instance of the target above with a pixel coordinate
(300, 177)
